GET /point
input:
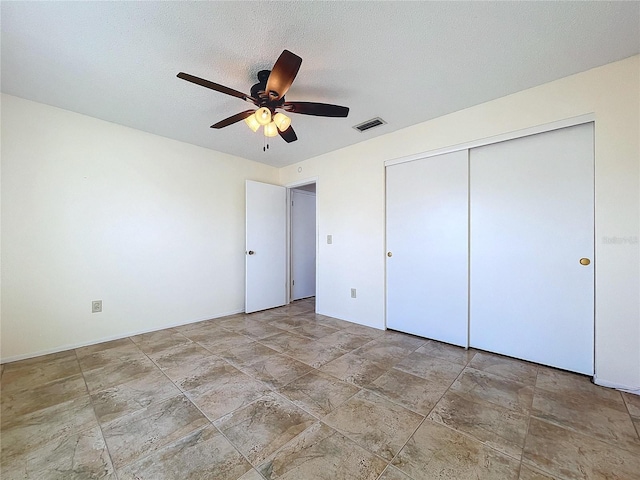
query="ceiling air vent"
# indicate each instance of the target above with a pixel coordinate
(374, 122)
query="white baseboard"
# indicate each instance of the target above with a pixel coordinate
(617, 386)
(64, 348)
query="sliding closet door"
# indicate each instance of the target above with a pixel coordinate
(427, 243)
(532, 222)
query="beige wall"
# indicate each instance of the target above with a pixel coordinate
(351, 199)
(155, 227)
(92, 210)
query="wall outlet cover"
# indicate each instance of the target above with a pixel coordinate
(96, 306)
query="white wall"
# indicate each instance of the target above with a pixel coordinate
(96, 211)
(351, 198)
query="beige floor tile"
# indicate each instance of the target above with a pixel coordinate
(146, 431)
(570, 455)
(251, 475)
(118, 372)
(374, 423)
(344, 340)
(605, 420)
(529, 473)
(482, 386)
(329, 321)
(447, 352)
(247, 354)
(21, 402)
(277, 370)
(158, 341)
(21, 435)
(382, 353)
(79, 456)
(231, 390)
(313, 330)
(100, 347)
(262, 427)
(392, 473)
(354, 369)
(183, 354)
(288, 323)
(436, 370)
(253, 328)
(219, 340)
(497, 427)
(436, 451)
(199, 376)
(40, 370)
(322, 453)
(509, 368)
(322, 374)
(318, 393)
(94, 359)
(399, 339)
(413, 392)
(128, 397)
(285, 341)
(633, 404)
(313, 353)
(364, 331)
(202, 455)
(573, 384)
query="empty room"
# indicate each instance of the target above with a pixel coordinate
(320, 240)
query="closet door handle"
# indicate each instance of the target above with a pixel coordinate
(585, 261)
(251, 252)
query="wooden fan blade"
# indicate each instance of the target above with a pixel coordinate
(232, 119)
(282, 74)
(288, 135)
(217, 87)
(317, 109)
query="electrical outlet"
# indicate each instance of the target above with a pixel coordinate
(353, 293)
(329, 239)
(96, 306)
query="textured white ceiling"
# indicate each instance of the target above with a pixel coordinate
(406, 62)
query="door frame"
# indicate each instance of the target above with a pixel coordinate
(289, 187)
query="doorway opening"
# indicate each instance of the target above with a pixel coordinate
(302, 241)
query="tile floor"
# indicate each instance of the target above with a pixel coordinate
(288, 394)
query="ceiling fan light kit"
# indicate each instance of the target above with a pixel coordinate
(270, 130)
(268, 95)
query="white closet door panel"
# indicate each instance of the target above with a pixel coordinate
(532, 221)
(427, 234)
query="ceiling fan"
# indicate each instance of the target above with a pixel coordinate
(268, 96)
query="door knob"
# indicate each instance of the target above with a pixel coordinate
(585, 261)
(251, 252)
(389, 254)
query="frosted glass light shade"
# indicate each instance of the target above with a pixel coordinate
(263, 115)
(281, 121)
(270, 130)
(252, 122)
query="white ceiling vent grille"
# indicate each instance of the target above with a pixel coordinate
(374, 122)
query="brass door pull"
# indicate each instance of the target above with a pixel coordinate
(389, 254)
(585, 261)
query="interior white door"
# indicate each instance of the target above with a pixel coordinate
(427, 237)
(532, 220)
(303, 244)
(266, 261)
